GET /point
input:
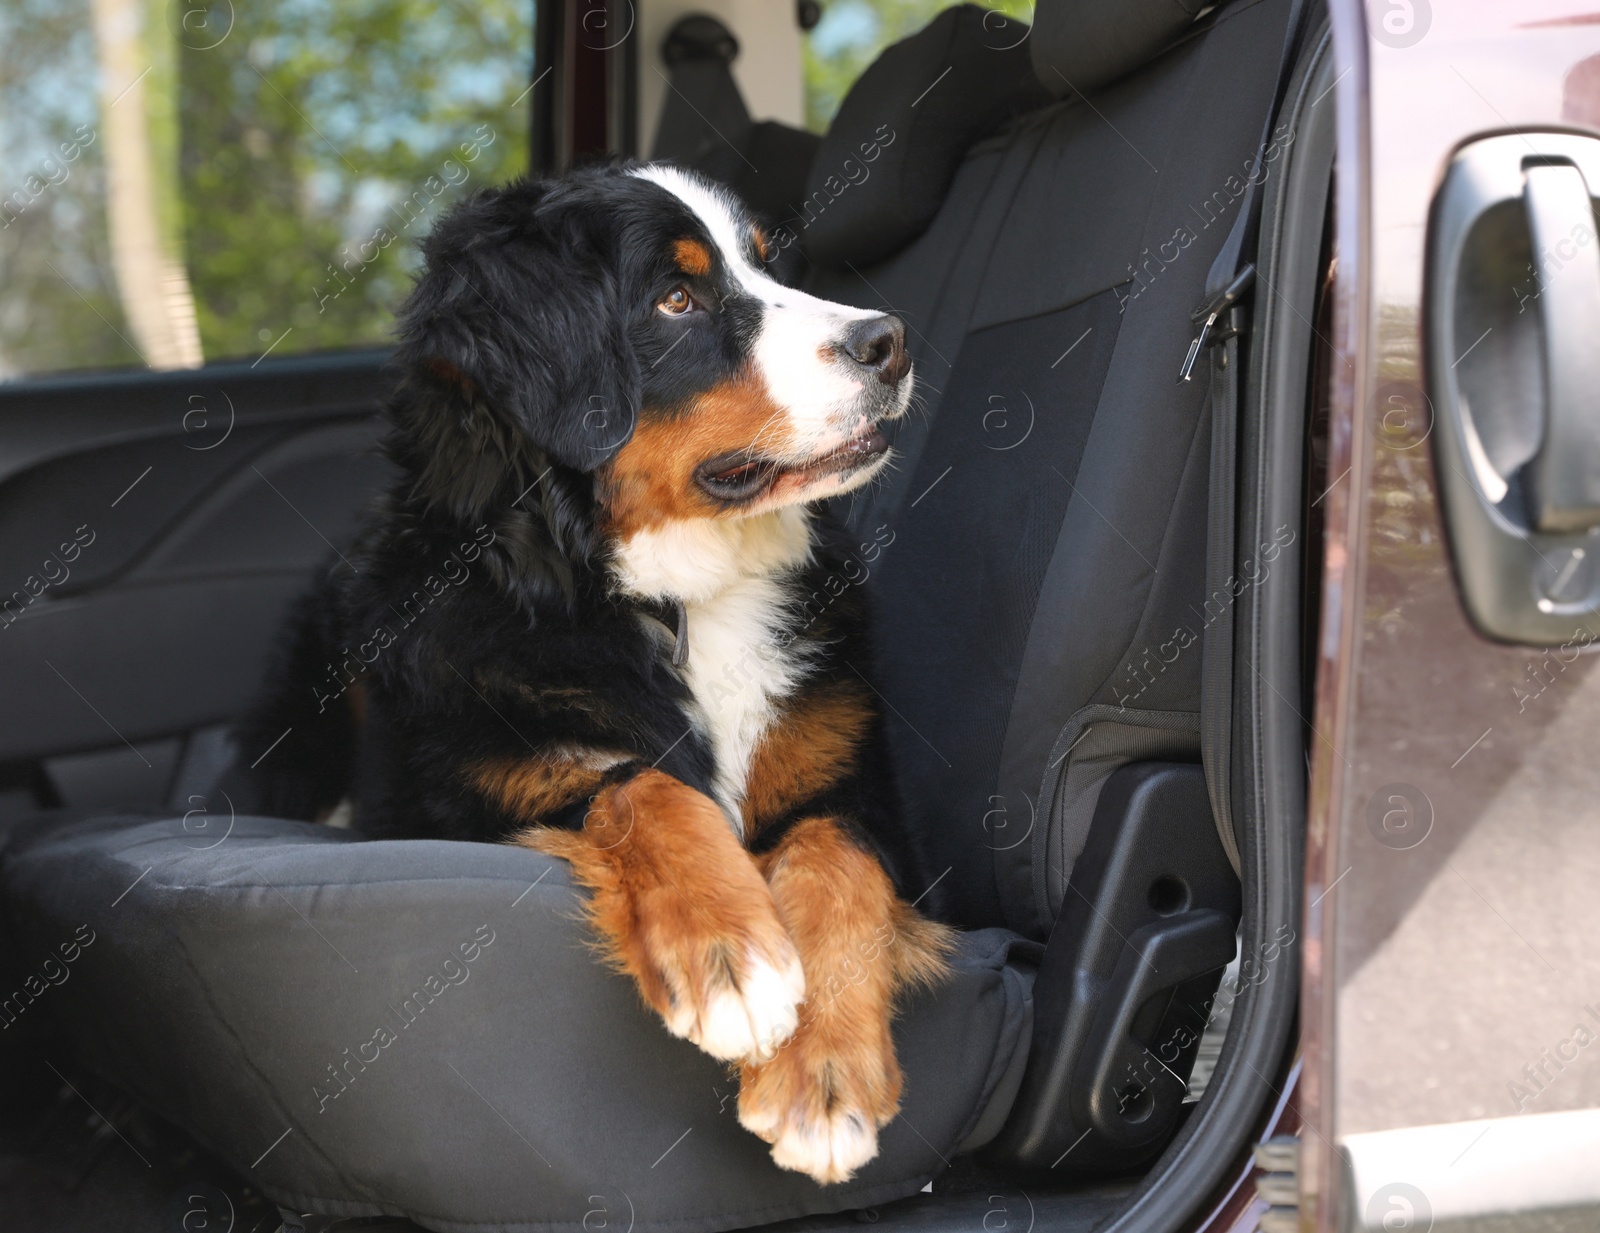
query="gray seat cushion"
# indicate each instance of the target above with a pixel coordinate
(421, 1028)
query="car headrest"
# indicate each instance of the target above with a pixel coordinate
(890, 154)
(1080, 45)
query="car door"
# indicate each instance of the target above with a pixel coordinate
(1452, 988)
(209, 213)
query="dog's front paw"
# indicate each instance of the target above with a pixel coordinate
(822, 1099)
(734, 996)
(679, 906)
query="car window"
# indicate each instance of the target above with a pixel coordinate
(198, 180)
(851, 33)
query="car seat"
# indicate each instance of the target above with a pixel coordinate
(419, 1028)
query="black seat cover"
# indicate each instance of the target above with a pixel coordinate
(1031, 560)
(904, 128)
(1038, 560)
(421, 1028)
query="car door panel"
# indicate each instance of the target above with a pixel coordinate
(154, 527)
(1455, 793)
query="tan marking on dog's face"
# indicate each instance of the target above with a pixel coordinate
(763, 245)
(651, 480)
(799, 348)
(692, 257)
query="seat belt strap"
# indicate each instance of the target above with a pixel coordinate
(1222, 318)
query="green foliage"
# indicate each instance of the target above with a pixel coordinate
(318, 142)
(58, 299)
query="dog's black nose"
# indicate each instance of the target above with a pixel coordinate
(879, 343)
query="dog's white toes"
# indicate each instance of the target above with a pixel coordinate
(761, 1122)
(681, 1019)
(753, 1020)
(830, 1150)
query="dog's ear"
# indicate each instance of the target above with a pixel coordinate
(517, 307)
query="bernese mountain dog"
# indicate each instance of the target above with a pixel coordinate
(602, 612)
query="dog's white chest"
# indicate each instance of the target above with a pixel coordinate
(734, 578)
(738, 675)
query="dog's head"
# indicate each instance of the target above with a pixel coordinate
(619, 324)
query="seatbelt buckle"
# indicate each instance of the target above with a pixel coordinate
(1207, 316)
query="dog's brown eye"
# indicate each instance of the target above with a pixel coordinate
(676, 302)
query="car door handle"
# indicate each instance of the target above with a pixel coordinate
(1513, 366)
(1565, 480)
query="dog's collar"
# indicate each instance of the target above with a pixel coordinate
(672, 614)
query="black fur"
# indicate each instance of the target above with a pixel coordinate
(476, 618)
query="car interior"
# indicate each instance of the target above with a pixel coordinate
(1093, 570)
